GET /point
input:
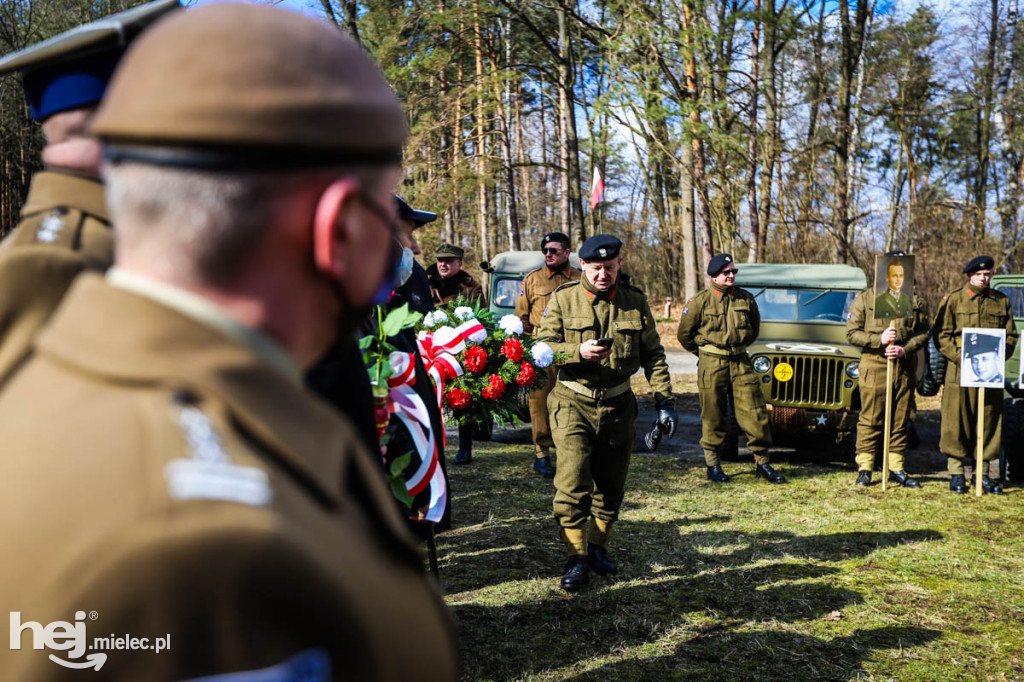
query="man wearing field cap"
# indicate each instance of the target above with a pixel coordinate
(606, 332)
(975, 304)
(417, 288)
(534, 294)
(64, 227)
(164, 468)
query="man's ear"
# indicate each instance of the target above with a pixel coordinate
(329, 222)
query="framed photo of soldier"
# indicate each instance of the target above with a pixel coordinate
(982, 357)
(894, 287)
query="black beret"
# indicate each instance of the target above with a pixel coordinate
(407, 212)
(600, 247)
(716, 264)
(982, 343)
(559, 237)
(979, 263)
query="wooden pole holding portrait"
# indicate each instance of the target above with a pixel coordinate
(894, 282)
(982, 365)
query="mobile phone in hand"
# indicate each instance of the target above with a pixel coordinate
(605, 342)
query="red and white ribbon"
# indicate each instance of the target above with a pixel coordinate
(439, 348)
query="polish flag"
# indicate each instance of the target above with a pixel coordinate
(596, 190)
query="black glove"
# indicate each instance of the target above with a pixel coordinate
(668, 420)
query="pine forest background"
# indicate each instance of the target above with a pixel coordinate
(777, 130)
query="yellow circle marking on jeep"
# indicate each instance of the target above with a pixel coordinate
(783, 371)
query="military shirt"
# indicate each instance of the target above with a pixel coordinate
(888, 306)
(970, 307)
(536, 290)
(448, 289)
(575, 315)
(865, 330)
(174, 481)
(724, 319)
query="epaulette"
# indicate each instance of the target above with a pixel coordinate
(543, 267)
(632, 287)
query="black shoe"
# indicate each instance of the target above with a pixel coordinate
(542, 465)
(463, 456)
(600, 561)
(957, 484)
(904, 480)
(716, 474)
(864, 478)
(990, 486)
(577, 573)
(766, 472)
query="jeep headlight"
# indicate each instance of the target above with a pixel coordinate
(853, 370)
(762, 364)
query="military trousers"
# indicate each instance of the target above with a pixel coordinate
(594, 439)
(717, 375)
(871, 424)
(538, 402)
(959, 436)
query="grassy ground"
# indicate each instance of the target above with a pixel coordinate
(813, 580)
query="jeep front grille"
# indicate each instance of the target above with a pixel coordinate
(816, 382)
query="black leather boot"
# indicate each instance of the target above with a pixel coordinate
(577, 573)
(600, 561)
(465, 453)
(957, 484)
(769, 474)
(716, 474)
(903, 479)
(543, 466)
(864, 478)
(990, 486)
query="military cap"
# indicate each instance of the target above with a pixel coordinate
(418, 217)
(249, 87)
(979, 263)
(72, 70)
(447, 250)
(982, 343)
(896, 253)
(600, 247)
(557, 237)
(718, 263)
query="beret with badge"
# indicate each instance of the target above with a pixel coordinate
(557, 237)
(979, 263)
(600, 247)
(718, 263)
(249, 87)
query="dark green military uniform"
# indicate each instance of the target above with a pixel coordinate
(888, 306)
(592, 409)
(534, 295)
(718, 324)
(865, 330)
(969, 306)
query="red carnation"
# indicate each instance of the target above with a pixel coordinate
(513, 350)
(475, 358)
(457, 399)
(496, 389)
(526, 374)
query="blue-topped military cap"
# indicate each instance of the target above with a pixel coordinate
(600, 247)
(718, 263)
(557, 237)
(407, 212)
(71, 70)
(979, 263)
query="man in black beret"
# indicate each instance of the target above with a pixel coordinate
(534, 294)
(606, 332)
(975, 304)
(718, 324)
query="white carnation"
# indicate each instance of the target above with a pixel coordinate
(542, 354)
(464, 313)
(435, 318)
(511, 325)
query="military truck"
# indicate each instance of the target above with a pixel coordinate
(506, 272)
(1012, 456)
(808, 370)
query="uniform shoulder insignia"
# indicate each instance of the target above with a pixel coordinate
(567, 285)
(209, 473)
(50, 227)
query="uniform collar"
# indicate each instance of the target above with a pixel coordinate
(53, 188)
(558, 271)
(722, 291)
(594, 295)
(157, 345)
(973, 291)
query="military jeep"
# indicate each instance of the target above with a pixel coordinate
(506, 272)
(808, 370)
(1012, 459)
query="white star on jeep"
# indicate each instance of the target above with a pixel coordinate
(821, 420)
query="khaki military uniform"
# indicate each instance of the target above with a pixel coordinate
(718, 325)
(592, 408)
(864, 330)
(64, 230)
(969, 306)
(533, 299)
(174, 478)
(461, 284)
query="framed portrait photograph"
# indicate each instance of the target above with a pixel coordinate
(982, 357)
(894, 287)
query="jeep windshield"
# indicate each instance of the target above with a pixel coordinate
(803, 305)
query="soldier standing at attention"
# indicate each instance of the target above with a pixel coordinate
(195, 488)
(718, 324)
(607, 331)
(973, 305)
(530, 305)
(64, 227)
(882, 340)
